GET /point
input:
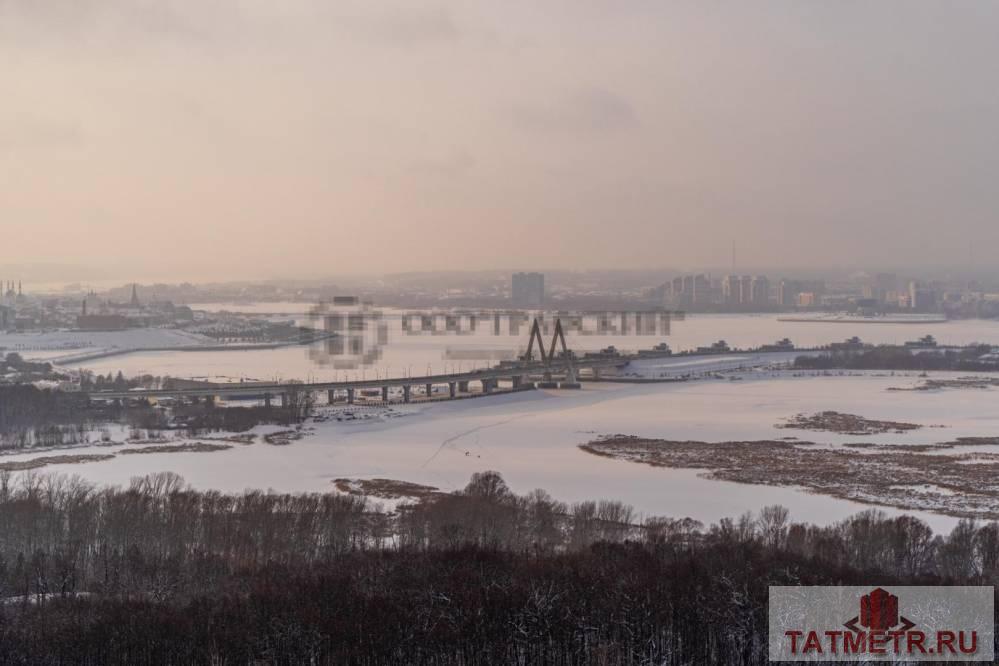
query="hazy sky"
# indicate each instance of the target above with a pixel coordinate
(261, 138)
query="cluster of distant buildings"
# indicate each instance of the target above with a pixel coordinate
(886, 289)
(527, 290)
(23, 312)
(738, 292)
(685, 291)
(125, 307)
(9, 301)
(107, 315)
(882, 292)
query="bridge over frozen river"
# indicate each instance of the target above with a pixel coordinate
(559, 372)
(513, 376)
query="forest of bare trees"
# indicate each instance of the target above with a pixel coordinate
(160, 573)
(31, 417)
(891, 357)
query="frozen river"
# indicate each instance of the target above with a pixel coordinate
(404, 354)
(532, 439)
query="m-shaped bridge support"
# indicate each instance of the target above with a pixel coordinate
(571, 380)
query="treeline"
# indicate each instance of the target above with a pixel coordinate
(24, 405)
(888, 357)
(31, 417)
(14, 363)
(89, 381)
(200, 418)
(159, 573)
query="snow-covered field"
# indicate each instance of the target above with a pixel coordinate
(532, 439)
(58, 345)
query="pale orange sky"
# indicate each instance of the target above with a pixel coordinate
(311, 137)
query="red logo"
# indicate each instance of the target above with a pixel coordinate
(880, 629)
(879, 612)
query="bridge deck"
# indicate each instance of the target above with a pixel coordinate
(258, 388)
(559, 366)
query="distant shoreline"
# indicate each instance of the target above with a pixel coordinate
(896, 319)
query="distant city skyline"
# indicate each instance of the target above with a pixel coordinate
(46, 278)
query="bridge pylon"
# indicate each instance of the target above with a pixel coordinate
(558, 336)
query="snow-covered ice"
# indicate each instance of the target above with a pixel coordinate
(532, 439)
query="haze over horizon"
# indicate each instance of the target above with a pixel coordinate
(145, 139)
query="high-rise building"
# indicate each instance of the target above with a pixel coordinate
(881, 287)
(760, 290)
(789, 290)
(527, 290)
(806, 299)
(687, 290)
(676, 290)
(730, 289)
(921, 297)
(746, 290)
(702, 290)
